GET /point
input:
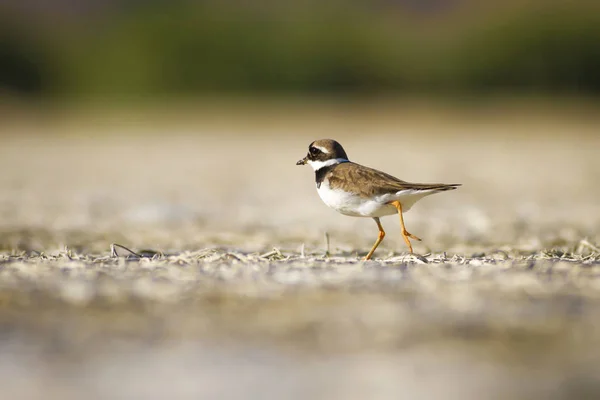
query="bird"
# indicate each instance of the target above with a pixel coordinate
(356, 190)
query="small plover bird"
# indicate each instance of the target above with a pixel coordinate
(358, 191)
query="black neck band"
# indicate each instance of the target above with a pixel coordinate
(321, 172)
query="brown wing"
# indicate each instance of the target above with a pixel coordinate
(371, 182)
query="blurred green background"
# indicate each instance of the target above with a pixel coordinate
(74, 49)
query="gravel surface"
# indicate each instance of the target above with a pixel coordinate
(240, 283)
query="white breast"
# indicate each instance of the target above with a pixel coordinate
(348, 203)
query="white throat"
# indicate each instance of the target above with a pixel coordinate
(317, 165)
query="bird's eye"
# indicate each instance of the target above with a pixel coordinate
(314, 151)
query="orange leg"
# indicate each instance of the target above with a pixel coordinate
(405, 233)
(379, 239)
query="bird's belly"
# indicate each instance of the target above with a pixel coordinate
(351, 204)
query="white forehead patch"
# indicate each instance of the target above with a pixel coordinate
(323, 149)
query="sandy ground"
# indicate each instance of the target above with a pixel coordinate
(241, 297)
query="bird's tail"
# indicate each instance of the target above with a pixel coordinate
(437, 187)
